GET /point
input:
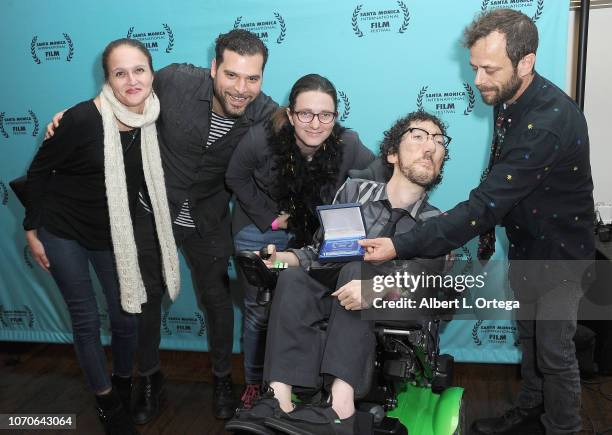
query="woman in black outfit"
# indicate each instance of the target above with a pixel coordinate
(280, 172)
(82, 185)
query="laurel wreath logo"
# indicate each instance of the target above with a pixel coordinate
(27, 257)
(420, 97)
(471, 99)
(475, 336)
(33, 50)
(283, 27)
(237, 22)
(2, 319)
(406, 21)
(347, 106)
(35, 121)
(170, 38)
(202, 324)
(70, 47)
(2, 130)
(536, 16)
(358, 32)
(165, 323)
(30, 316)
(4, 193)
(539, 11)
(129, 33)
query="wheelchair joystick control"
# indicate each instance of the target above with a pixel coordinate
(264, 254)
(258, 274)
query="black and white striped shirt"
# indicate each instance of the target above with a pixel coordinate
(219, 126)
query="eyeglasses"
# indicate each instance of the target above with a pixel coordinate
(420, 136)
(323, 117)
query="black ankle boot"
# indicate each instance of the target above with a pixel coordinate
(224, 404)
(148, 397)
(114, 417)
(123, 387)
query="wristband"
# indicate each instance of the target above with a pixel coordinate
(274, 224)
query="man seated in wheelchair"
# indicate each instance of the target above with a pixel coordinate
(301, 353)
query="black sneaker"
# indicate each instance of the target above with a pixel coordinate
(252, 419)
(312, 420)
(514, 421)
(224, 403)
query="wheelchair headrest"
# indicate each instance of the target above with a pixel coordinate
(377, 170)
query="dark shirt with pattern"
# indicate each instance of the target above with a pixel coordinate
(540, 188)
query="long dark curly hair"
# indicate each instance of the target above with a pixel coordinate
(301, 185)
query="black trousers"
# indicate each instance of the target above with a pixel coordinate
(549, 367)
(211, 282)
(298, 351)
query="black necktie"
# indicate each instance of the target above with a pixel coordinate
(486, 241)
(396, 214)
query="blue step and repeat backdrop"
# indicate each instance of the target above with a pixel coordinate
(386, 58)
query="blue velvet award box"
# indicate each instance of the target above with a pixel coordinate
(342, 226)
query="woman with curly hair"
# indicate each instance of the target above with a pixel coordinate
(280, 172)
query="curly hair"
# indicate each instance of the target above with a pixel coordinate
(240, 41)
(520, 31)
(393, 137)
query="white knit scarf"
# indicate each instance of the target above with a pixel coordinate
(133, 293)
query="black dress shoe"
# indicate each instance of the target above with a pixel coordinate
(224, 404)
(514, 421)
(149, 394)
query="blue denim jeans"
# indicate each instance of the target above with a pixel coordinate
(255, 320)
(70, 270)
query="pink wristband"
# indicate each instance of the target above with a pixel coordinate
(274, 224)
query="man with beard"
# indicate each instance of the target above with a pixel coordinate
(204, 114)
(296, 354)
(538, 186)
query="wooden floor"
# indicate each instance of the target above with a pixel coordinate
(45, 378)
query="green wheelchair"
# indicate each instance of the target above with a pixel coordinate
(408, 384)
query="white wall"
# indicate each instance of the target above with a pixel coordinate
(598, 94)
